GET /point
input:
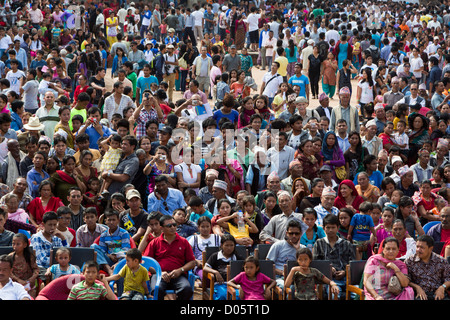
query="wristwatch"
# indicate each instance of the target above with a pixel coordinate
(182, 269)
(445, 287)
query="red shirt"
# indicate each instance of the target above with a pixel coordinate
(445, 235)
(170, 256)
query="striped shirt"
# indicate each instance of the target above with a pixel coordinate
(81, 292)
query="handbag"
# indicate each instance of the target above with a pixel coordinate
(341, 174)
(394, 286)
(182, 63)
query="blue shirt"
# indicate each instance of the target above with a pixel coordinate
(301, 81)
(233, 116)
(309, 243)
(173, 201)
(375, 179)
(144, 83)
(43, 248)
(34, 179)
(16, 123)
(361, 224)
(94, 135)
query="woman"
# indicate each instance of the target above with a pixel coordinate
(387, 135)
(439, 130)
(348, 196)
(328, 75)
(407, 246)
(331, 153)
(232, 170)
(424, 202)
(344, 75)
(238, 88)
(380, 268)
(85, 170)
(240, 32)
(314, 199)
(112, 24)
(63, 124)
(417, 136)
(145, 143)
(305, 154)
(188, 173)
(81, 87)
(343, 50)
(365, 189)
(119, 59)
(354, 156)
(160, 165)
(365, 92)
(299, 191)
(314, 73)
(370, 164)
(65, 179)
(291, 55)
(44, 203)
(279, 103)
(246, 62)
(408, 215)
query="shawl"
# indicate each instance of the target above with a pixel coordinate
(13, 170)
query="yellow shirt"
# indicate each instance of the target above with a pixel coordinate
(234, 231)
(133, 280)
(283, 61)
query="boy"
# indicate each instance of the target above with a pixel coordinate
(15, 76)
(361, 226)
(88, 289)
(185, 228)
(79, 113)
(75, 198)
(38, 61)
(134, 220)
(37, 174)
(91, 230)
(26, 163)
(6, 236)
(45, 240)
(401, 138)
(135, 277)
(295, 136)
(113, 243)
(56, 33)
(64, 218)
(256, 121)
(198, 210)
(145, 82)
(222, 88)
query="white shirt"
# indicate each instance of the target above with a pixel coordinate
(13, 291)
(252, 20)
(416, 63)
(5, 42)
(122, 14)
(183, 168)
(198, 18)
(271, 87)
(14, 80)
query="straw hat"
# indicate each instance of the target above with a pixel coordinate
(34, 124)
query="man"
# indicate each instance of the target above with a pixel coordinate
(201, 68)
(345, 111)
(98, 83)
(439, 98)
(390, 98)
(134, 220)
(295, 171)
(269, 45)
(428, 272)
(176, 258)
(111, 106)
(335, 249)
(5, 127)
(36, 174)
(434, 75)
(285, 250)
(165, 199)
(413, 98)
(127, 167)
(189, 30)
(194, 90)
(170, 63)
(36, 16)
(326, 173)
(275, 230)
(380, 118)
(231, 60)
(159, 63)
(172, 38)
(20, 190)
(199, 22)
(208, 19)
(324, 109)
(15, 76)
(326, 206)
(181, 24)
(146, 20)
(257, 172)
(342, 135)
(135, 55)
(156, 22)
(82, 142)
(440, 232)
(94, 128)
(146, 112)
(21, 55)
(144, 83)
(271, 82)
(422, 169)
(206, 193)
(75, 199)
(219, 191)
(371, 141)
(253, 30)
(264, 35)
(164, 137)
(10, 166)
(301, 80)
(280, 155)
(9, 289)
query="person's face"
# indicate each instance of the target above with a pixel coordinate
(5, 271)
(308, 148)
(390, 250)
(112, 222)
(228, 248)
(345, 99)
(126, 147)
(12, 205)
(342, 128)
(152, 130)
(60, 148)
(134, 203)
(425, 189)
(161, 187)
(346, 191)
(309, 219)
(273, 184)
(49, 98)
(332, 229)
(281, 141)
(331, 139)
(445, 218)
(122, 131)
(69, 166)
(285, 204)
(75, 197)
(293, 235)
(422, 250)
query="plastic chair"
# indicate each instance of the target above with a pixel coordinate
(355, 272)
(6, 250)
(261, 250)
(208, 292)
(430, 224)
(147, 263)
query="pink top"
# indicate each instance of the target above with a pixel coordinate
(253, 290)
(20, 215)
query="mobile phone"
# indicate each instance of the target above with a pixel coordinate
(162, 157)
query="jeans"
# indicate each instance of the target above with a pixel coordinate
(183, 77)
(314, 83)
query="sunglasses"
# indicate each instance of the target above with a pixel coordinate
(166, 207)
(170, 225)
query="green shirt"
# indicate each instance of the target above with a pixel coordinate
(133, 78)
(74, 112)
(81, 292)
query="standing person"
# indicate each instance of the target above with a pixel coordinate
(328, 74)
(156, 22)
(29, 90)
(271, 82)
(201, 69)
(344, 75)
(314, 71)
(231, 60)
(199, 22)
(300, 80)
(253, 30)
(112, 24)
(170, 63)
(365, 93)
(345, 111)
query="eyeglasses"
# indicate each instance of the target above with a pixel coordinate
(170, 225)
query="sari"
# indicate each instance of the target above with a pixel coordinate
(62, 183)
(36, 210)
(240, 30)
(246, 64)
(380, 275)
(340, 202)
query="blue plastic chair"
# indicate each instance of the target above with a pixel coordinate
(153, 285)
(428, 225)
(191, 279)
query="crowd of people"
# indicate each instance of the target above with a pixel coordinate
(140, 130)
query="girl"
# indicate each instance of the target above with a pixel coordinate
(217, 265)
(119, 59)
(247, 110)
(92, 194)
(280, 99)
(111, 157)
(384, 229)
(242, 235)
(332, 153)
(62, 267)
(271, 207)
(354, 156)
(408, 215)
(224, 208)
(249, 208)
(112, 24)
(329, 75)
(387, 136)
(313, 232)
(250, 282)
(202, 240)
(261, 107)
(25, 270)
(345, 216)
(365, 91)
(313, 71)
(305, 278)
(376, 214)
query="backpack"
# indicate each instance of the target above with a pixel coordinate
(152, 63)
(375, 53)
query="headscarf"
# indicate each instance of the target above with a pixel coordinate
(350, 184)
(327, 152)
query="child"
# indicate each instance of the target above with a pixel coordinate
(249, 208)
(401, 138)
(384, 229)
(25, 270)
(313, 232)
(77, 122)
(255, 126)
(62, 265)
(246, 111)
(198, 210)
(185, 227)
(45, 240)
(439, 203)
(56, 33)
(376, 214)
(153, 230)
(305, 278)
(90, 230)
(200, 241)
(395, 198)
(295, 137)
(345, 216)
(224, 208)
(390, 116)
(361, 226)
(14, 212)
(88, 289)
(250, 282)
(6, 236)
(163, 27)
(222, 89)
(271, 207)
(113, 243)
(112, 156)
(92, 194)
(135, 277)
(64, 218)
(242, 235)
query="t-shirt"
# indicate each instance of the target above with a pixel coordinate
(100, 83)
(133, 280)
(144, 83)
(233, 116)
(362, 224)
(14, 80)
(80, 292)
(253, 290)
(31, 90)
(301, 81)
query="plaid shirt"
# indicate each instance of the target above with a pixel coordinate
(339, 255)
(144, 117)
(429, 276)
(43, 248)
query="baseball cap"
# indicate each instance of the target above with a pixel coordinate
(301, 100)
(133, 193)
(325, 167)
(166, 129)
